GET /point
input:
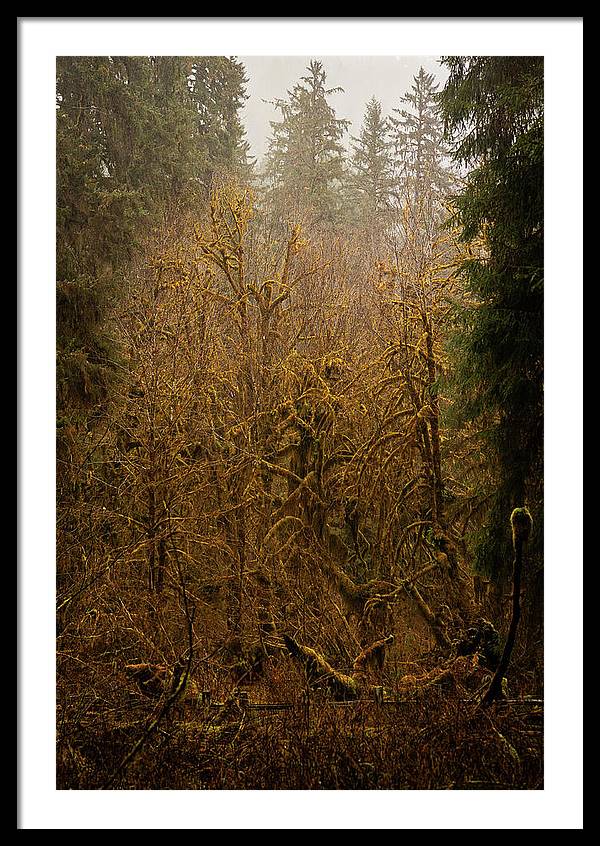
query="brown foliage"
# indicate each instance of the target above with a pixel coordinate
(273, 457)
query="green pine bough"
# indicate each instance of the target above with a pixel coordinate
(521, 524)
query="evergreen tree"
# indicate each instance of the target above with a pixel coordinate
(97, 203)
(493, 106)
(418, 134)
(169, 149)
(305, 160)
(218, 89)
(372, 167)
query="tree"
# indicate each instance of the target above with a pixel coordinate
(218, 89)
(418, 136)
(136, 137)
(493, 106)
(97, 202)
(305, 160)
(372, 166)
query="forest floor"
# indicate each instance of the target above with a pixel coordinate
(435, 740)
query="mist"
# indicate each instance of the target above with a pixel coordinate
(387, 78)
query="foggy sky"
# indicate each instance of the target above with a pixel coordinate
(388, 78)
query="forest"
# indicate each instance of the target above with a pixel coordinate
(299, 431)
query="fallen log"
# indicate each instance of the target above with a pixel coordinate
(320, 674)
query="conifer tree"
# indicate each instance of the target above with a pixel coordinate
(418, 135)
(493, 106)
(372, 167)
(305, 160)
(98, 201)
(218, 90)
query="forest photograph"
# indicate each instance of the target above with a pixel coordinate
(299, 439)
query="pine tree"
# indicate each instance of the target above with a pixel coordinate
(218, 90)
(372, 167)
(97, 201)
(493, 106)
(305, 160)
(418, 133)
(169, 150)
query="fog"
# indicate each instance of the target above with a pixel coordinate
(387, 78)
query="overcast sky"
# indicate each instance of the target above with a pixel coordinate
(387, 78)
